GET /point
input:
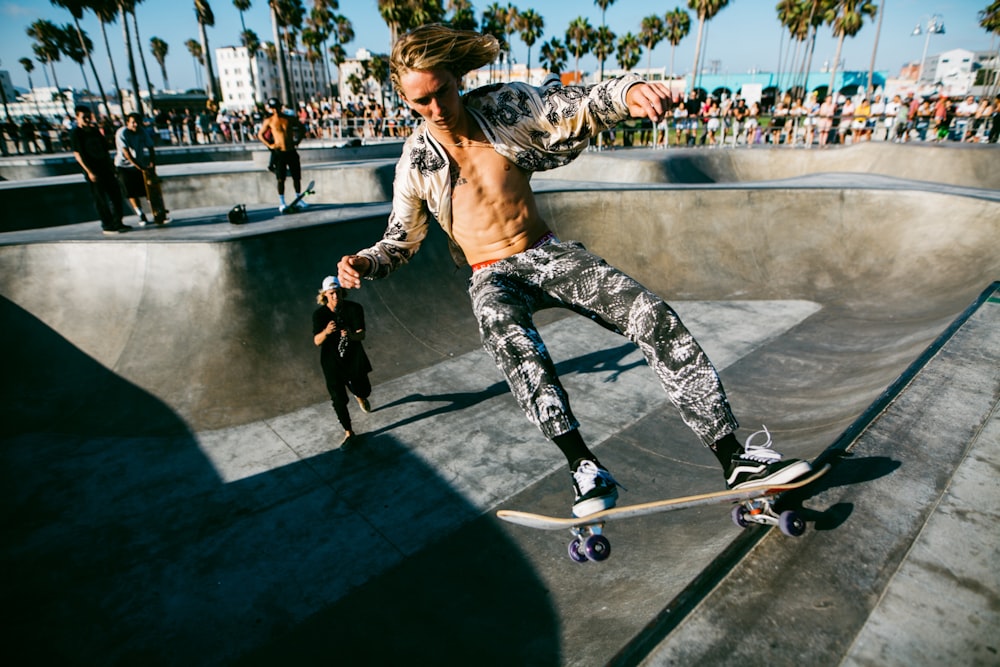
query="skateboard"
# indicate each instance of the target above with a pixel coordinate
(294, 206)
(752, 504)
(154, 193)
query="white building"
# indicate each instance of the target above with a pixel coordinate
(308, 80)
(951, 72)
(351, 73)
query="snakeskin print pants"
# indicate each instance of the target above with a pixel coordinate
(507, 293)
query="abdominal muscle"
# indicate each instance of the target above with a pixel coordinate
(493, 207)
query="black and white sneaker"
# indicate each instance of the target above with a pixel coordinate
(759, 464)
(595, 489)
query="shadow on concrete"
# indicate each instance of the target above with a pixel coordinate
(122, 544)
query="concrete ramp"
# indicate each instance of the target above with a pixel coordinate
(176, 492)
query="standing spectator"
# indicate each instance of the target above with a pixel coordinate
(824, 125)
(964, 113)
(91, 153)
(338, 327)
(134, 155)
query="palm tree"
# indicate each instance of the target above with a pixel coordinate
(510, 17)
(242, 6)
(75, 51)
(159, 48)
(206, 19)
(404, 15)
(793, 15)
(343, 33)
(142, 59)
(124, 7)
(251, 42)
(579, 37)
(194, 48)
(847, 18)
(677, 26)
(530, 26)
(76, 9)
(603, 46)
(554, 55)
(107, 12)
(29, 67)
(463, 16)
(46, 48)
(629, 51)
(706, 10)
(651, 31)
(604, 4)
(989, 20)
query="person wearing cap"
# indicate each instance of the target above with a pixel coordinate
(282, 135)
(338, 329)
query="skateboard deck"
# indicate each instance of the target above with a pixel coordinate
(154, 193)
(753, 504)
(294, 206)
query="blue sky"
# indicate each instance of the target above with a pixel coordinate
(743, 36)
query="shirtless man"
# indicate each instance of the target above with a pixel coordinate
(469, 164)
(282, 134)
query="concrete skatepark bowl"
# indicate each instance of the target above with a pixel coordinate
(176, 493)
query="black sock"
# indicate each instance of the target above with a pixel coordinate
(573, 447)
(725, 447)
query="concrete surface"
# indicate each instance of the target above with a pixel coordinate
(176, 492)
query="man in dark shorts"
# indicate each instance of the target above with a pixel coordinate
(134, 154)
(282, 134)
(91, 153)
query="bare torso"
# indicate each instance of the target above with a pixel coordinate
(281, 132)
(494, 214)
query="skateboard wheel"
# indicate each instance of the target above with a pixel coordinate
(791, 524)
(597, 548)
(739, 516)
(576, 551)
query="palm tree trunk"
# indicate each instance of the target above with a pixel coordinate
(114, 72)
(697, 53)
(833, 69)
(207, 55)
(97, 79)
(59, 92)
(282, 66)
(142, 59)
(127, 35)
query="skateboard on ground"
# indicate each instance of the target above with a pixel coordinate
(154, 193)
(752, 504)
(294, 206)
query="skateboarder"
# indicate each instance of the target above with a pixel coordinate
(338, 329)
(468, 164)
(134, 154)
(282, 134)
(91, 153)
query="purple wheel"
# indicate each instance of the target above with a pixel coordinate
(739, 516)
(576, 551)
(597, 548)
(791, 524)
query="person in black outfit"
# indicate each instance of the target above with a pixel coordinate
(91, 152)
(338, 329)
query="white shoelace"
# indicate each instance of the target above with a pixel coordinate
(761, 453)
(586, 475)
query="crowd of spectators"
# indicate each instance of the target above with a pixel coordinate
(695, 121)
(795, 122)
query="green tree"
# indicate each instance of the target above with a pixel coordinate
(610, 45)
(989, 20)
(194, 48)
(206, 19)
(628, 52)
(579, 38)
(706, 11)
(463, 16)
(651, 32)
(676, 26)
(107, 13)
(159, 49)
(846, 17)
(404, 15)
(76, 9)
(47, 36)
(530, 26)
(554, 55)
(603, 46)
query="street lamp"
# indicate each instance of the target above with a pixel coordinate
(935, 26)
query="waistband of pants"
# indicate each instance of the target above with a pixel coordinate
(546, 238)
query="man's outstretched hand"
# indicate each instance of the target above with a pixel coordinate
(648, 100)
(350, 270)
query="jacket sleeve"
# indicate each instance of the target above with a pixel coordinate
(407, 226)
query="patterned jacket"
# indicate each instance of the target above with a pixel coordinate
(536, 128)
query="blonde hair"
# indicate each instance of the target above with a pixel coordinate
(436, 46)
